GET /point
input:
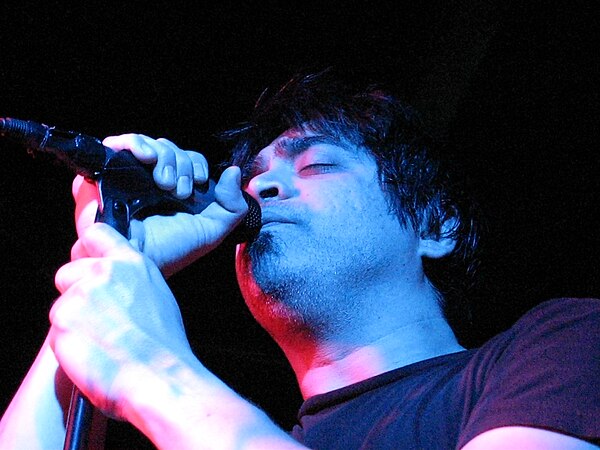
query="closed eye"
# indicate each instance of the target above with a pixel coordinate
(317, 169)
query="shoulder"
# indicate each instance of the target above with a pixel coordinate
(541, 374)
(555, 326)
(547, 331)
(559, 338)
(561, 311)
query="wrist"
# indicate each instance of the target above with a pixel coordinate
(180, 404)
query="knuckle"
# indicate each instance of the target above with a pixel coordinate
(184, 163)
(196, 157)
(167, 142)
(132, 140)
(135, 258)
(138, 138)
(165, 153)
(60, 316)
(59, 281)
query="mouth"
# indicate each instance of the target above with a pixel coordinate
(270, 219)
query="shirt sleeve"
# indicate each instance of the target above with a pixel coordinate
(547, 376)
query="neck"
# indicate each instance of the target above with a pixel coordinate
(344, 331)
(326, 365)
(384, 335)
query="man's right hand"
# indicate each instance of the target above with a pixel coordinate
(172, 242)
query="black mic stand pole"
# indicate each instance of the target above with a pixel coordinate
(114, 212)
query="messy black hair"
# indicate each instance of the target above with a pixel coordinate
(412, 172)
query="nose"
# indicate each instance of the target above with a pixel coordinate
(271, 185)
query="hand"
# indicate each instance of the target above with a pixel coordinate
(175, 241)
(115, 320)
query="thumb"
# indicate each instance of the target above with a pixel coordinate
(101, 240)
(86, 196)
(228, 191)
(225, 213)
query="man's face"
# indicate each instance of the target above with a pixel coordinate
(327, 227)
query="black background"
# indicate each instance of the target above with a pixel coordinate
(510, 85)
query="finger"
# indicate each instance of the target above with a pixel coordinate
(69, 274)
(86, 196)
(228, 191)
(138, 144)
(78, 251)
(60, 315)
(76, 185)
(149, 150)
(62, 282)
(228, 209)
(176, 170)
(199, 165)
(184, 170)
(101, 240)
(137, 233)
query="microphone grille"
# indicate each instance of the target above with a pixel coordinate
(253, 218)
(250, 226)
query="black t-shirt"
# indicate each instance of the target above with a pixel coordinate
(543, 372)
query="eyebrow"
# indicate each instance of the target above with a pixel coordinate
(292, 147)
(289, 147)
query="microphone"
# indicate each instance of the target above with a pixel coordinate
(127, 188)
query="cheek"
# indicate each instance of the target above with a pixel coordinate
(347, 206)
(357, 203)
(325, 199)
(349, 217)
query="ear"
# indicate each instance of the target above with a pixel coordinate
(438, 245)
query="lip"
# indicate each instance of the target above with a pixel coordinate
(273, 218)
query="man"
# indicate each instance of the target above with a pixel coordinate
(349, 274)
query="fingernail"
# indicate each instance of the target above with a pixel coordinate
(168, 174)
(184, 186)
(199, 172)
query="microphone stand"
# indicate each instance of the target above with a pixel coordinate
(114, 211)
(79, 422)
(127, 190)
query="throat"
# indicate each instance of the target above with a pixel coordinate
(332, 365)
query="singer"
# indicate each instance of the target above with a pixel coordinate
(360, 272)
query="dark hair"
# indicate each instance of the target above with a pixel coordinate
(411, 169)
